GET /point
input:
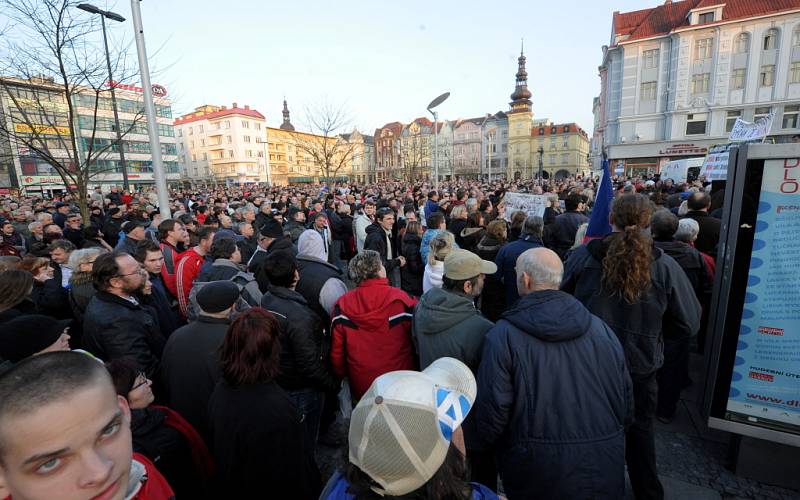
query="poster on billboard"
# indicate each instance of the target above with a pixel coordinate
(531, 204)
(765, 383)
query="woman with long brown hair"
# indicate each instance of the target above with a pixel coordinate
(640, 292)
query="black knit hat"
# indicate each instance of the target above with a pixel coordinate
(217, 296)
(28, 334)
(272, 229)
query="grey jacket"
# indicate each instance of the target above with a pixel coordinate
(448, 324)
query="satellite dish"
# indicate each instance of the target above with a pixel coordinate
(438, 100)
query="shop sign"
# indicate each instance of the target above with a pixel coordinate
(683, 149)
(158, 90)
(24, 128)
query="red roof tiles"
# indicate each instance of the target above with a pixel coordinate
(196, 116)
(670, 16)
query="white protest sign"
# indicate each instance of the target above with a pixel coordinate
(531, 204)
(745, 131)
(715, 166)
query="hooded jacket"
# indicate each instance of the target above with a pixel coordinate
(668, 304)
(506, 261)
(447, 324)
(372, 333)
(554, 396)
(493, 298)
(470, 237)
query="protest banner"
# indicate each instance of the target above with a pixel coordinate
(531, 204)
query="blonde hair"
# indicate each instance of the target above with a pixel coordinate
(441, 245)
(458, 211)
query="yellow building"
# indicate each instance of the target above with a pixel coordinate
(300, 157)
(560, 150)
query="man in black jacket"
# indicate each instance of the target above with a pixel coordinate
(560, 235)
(271, 239)
(708, 237)
(674, 374)
(115, 325)
(190, 363)
(379, 238)
(304, 374)
(560, 435)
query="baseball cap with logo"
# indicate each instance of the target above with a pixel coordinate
(401, 429)
(463, 265)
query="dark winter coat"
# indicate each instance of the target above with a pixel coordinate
(668, 304)
(117, 328)
(259, 443)
(411, 273)
(260, 255)
(447, 324)
(455, 227)
(303, 364)
(470, 237)
(293, 229)
(554, 396)
(493, 297)
(708, 237)
(561, 234)
(506, 261)
(376, 240)
(190, 368)
(50, 297)
(111, 230)
(80, 293)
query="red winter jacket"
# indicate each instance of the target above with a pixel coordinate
(371, 331)
(188, 269)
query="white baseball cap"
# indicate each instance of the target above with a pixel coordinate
(401, 429)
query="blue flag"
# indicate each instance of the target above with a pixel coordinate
(599, 226)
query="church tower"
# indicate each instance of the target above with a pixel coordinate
(286, 125)
(520, 121)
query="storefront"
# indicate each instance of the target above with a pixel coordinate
(649, 158)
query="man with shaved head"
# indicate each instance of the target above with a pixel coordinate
(65, 434)
(555, 393)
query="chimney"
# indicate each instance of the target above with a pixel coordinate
(235, 105)
(247, 106)
(224, 108)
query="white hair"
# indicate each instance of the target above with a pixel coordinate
(542, 272)
(683, 209)
(688, 229)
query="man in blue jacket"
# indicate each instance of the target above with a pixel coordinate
(554, 392)
(506, 260)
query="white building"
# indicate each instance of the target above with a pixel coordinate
(217, 144)
(675, 77)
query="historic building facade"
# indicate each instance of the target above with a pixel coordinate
(674, 78)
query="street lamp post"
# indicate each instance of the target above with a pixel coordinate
(432, 105)
(541, 161)
(150, 112)
(114, 17)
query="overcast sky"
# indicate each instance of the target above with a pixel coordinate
(384, 60)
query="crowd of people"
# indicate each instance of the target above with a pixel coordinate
(452, 346)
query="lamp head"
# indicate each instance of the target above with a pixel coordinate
(438, 100)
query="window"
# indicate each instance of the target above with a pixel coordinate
(648, 92)
(194, 157)
(230, 153)
(650, 59)
(245, 124)
(199, 129)
(565, 144)
(191, 131)
(741, 44)
(737, 79)
(705, 18)
(205, 156)
(552, 144)
(696, 124)
(191, 144)
(552, 159)
(771, 40)
(790, 116)
(796, 37)
(248, 153)
(700, 83)
(226, 124)
(247, 138)
(766, 77)
(730, 119)
(228, 139)
(565, 158)
(761, 113)
(258, 126)
(794, 72)
(180, 133)
(554, 130)
(202, 142)
(702, 48)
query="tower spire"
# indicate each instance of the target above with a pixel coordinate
(287, 124)
(521, 98)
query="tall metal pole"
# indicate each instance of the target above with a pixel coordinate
(436, 147)
(150, 112)
(120, 145)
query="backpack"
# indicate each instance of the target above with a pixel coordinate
(249, 294)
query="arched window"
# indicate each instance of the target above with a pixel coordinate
(771, 40)
(741, 44)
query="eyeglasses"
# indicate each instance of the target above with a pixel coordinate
(143, 377)
(137, 271)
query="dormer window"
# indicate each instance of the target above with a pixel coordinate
(705, 17)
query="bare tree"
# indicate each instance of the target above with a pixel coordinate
(51, 64)
(325, 144)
